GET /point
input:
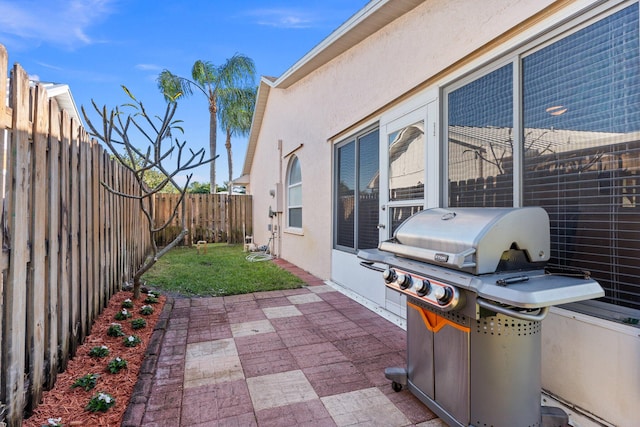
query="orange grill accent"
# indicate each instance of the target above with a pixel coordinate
(433, 322)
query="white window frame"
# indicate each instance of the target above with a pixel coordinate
(290, 186)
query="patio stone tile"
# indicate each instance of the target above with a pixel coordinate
(368, 407)
(207, 319)
(342, 331)
(242, 298)
(324, 318)
(315, 307)
(304, 298)
(358, 348)
(333, 297)
(270, 391)
(296, 291)
(211, 362)
(251, 328)
(291, 323)
(409, 405)
(248, 315)
(258, 343)
(214, 332)
(309, 414)
(210, 404)
(282, 311)
(316, 354)
(240, 304)
(273, 302)
(269, 294)
(244, 420)
(436, 422)
(268, 362)
(373, 367)
(336, 378)
(321, 289)
(292, 337)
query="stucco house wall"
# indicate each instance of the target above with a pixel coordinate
(430, 44)
(355, 86)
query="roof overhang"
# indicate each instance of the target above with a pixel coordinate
(62, 94)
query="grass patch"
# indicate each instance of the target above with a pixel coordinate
(223, 270)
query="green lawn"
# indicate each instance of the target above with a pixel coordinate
(223, 270)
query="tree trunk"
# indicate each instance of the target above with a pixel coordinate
(229, 185)
(213, 127)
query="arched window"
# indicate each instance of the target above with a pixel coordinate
(294, 194)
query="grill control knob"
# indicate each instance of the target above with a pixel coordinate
(404, 281)
(423, 288)
(389, 275)
(443, 295)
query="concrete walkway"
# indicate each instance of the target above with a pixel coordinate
(302, 357)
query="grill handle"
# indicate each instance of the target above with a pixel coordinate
(513, 313)
(370, 266)
(429, 255)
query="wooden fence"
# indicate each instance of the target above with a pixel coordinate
(210, 217)
(67, 244)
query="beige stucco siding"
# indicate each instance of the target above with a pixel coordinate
(349, 90)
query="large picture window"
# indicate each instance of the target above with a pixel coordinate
(581, 108)
(576, 143)
(357, 188)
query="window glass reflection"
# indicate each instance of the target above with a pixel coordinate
(480, 144)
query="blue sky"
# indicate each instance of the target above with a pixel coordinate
(95, 46)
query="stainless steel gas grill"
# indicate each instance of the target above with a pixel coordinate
(477, 290)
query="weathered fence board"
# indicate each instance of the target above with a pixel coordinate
(16, 296)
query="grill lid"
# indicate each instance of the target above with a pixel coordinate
(475, 240)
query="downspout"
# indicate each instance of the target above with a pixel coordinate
(279, 202)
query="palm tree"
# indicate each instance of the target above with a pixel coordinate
(234, 76)
(236, 113)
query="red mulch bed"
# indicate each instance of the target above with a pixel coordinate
(69, 403)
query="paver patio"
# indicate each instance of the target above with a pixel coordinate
(302, 357)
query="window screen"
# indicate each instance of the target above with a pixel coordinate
(345, 195)
(357, 188)
(581, 109)
(480, 141)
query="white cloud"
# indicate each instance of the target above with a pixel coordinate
(148, 67)
(283, 18)
(59, 22)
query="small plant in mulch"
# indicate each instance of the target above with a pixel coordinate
(101, 351)
(115, 330)
(54, 422)
(138, 323)
(101, 402)
(123, 314)
(87, 382)
(146, 310)
(131, 341)
(127, 303)
(116, 365)
(151, 298)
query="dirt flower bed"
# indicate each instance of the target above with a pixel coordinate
(67, 403)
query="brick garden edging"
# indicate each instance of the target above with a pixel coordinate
(142, 390)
